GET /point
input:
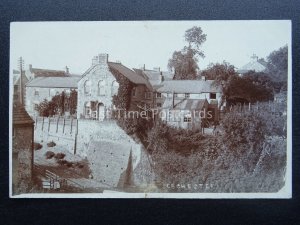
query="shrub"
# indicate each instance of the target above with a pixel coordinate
(60, 155)
(37, 146)
(51, 144)
(62, 162)
(79, 165)
(69, 164)
(49, 154)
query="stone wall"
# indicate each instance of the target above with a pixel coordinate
(61, 131)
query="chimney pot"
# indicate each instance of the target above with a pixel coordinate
(103, 58)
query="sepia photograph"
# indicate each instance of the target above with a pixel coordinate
(151, 109)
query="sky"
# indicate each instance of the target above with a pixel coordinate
(55, 45)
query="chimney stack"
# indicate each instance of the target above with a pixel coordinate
(103, 58)
(30, 67)
(67, 70)
(203, 77)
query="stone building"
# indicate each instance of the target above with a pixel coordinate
(98, 85)
(41, 88)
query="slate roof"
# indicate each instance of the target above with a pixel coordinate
(153, 76)
(16, 79)
(20, 116)
(48, 73)
(253, 65)
(188, 86)
(54, 82)
(130, 74)
(191, 104)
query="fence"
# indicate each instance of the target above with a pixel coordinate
(53, 181)
(261, 107)
(56, 125)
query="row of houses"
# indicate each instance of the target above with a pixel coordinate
(181, 103)
(153, 89)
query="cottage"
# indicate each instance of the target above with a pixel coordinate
(189, 95)
(41, 88)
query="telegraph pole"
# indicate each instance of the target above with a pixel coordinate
(21, 63)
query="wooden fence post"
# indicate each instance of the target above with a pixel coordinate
(49, 120)
(64, 125)
(57, 124)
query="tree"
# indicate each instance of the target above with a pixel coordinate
(195, 37)
(250, 88)
(184, 62)
(219, 72)
(277, 64)
(58, 104)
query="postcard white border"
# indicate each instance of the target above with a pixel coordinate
(284, 193)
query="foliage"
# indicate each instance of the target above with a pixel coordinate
(122, 99)
(242, 159)
(37, 146)
(58, 104)
(243, 88)
(51, 144)
(277, 64)
(59, 155)
(184, 62)
(49, 154)
(244, 134)
(252, 87)
(219, 72)
(195, 37)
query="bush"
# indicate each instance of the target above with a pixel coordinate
(69, 164)
(49, 154)
(37, 146)
(62, 162)
(60, 155)
(51, 144)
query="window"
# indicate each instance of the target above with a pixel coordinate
(101, 88)
(158, 95)
(87, 87)
(158, 104)
(87, 109)
(213, 96)
(133, 92)
(148, 95)
(175, 95)
(114, 88)
(186, 95)
(187, 119)
(36, 93)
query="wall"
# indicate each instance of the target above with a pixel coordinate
(99, 71)
(22, 158)
(61, 131)
(106, 146)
